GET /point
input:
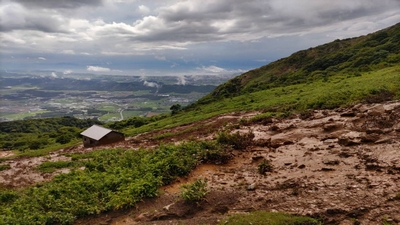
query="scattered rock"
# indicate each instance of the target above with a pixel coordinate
(302, 166)
(331, 162)
(383, 140)
(348, 114)
(331, 126)
(336, 211)
(374, 130)
(168, 206)
(142, 217)
(251, 187)
(327, 169)
(346, 141)
(371, 137)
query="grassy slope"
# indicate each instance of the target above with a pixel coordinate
(338, 58)
(335, 74)
(335, 92)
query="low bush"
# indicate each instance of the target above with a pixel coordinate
(49, 167)
(270, 218)
(236, 140)
(112, 179)
(4, 167)
(265, 166)
(194, 192)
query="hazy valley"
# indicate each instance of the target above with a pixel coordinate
(107, 98)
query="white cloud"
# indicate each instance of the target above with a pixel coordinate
(161, 58)
(67, 72)
(181, 80)
(70, 52)
(150, 84)
(144, 10)
(53, 74)
(42, 58)
(212, 69)
(97, 69)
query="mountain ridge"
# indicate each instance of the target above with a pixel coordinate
(350, 56)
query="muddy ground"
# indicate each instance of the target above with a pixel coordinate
(341, 166)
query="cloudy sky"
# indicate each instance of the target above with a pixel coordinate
(175, 37)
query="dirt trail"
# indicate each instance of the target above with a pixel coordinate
(342, 166)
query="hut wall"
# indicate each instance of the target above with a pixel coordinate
(111, 137)
(88, 142)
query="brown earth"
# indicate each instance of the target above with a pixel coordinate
(341, 166)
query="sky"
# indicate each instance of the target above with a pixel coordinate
(171, 37)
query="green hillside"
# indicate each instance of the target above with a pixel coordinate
(340, 73)
(337, 74)
(340, 58)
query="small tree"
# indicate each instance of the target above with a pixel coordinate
(63, 139)
(175, 108)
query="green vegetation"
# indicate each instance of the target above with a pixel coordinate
(4, 167)
(49, 167)
(134, 122)
(265, 166)
(341, 58)
(339, 91)
(42, 134)
(112, 179)
(21, 116)
(175, 109)
(194, 192)
(397, 197)
(337, 74)
(236, 140)
(110, 116)
(270, 218)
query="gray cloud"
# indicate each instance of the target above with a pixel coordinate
(67, 4)
(196, 21)
(17, 17)
(202, 34)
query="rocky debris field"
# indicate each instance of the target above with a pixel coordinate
(341, 166)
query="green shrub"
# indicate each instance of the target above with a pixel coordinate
(4, 167)
(195, 191)
(64, 139)
(236, 140)
(265, 166)
(49, 167)
(112, 179)
(270, 218)
(397, 197)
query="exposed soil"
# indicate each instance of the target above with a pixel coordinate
(341, 166)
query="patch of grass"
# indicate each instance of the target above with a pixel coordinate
(270, 218)
(4, 167)
(263, 118)
(265, 166)
(50, 148)
(20, 116)
(236, 140)
(49, 167)
(110, 116)
(194, 192)
(112, 179)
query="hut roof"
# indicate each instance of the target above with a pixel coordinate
(96, 132)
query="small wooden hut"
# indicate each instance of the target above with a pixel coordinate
(97, 135)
